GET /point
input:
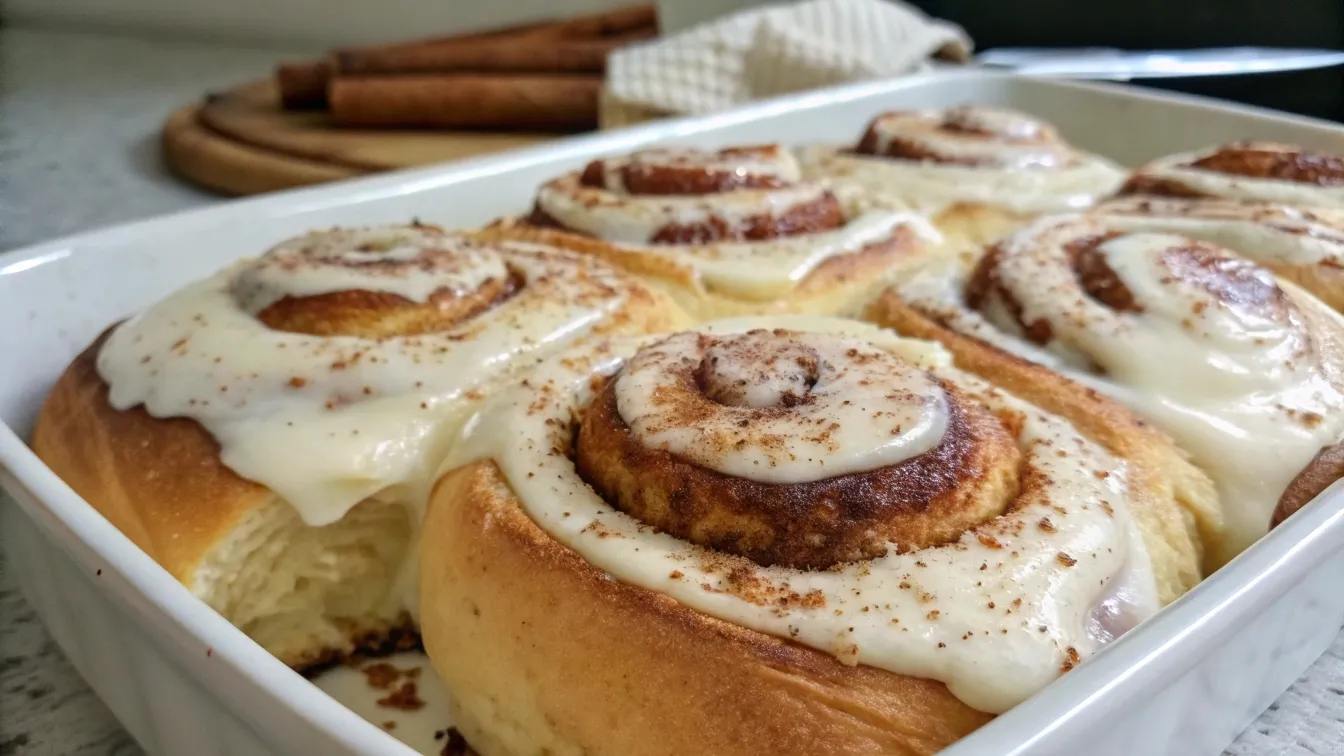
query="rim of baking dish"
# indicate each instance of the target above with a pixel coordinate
(259, 689)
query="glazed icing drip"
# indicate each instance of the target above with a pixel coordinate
(964, 155)
(1267, 233)
(409, 261)
(326, 422)
(1190, 172)
(780, 407)
(751, 268)
(996, 615)
(1207, 346)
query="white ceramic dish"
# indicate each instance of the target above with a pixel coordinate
(184, 681)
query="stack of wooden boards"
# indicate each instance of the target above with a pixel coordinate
(371, 109)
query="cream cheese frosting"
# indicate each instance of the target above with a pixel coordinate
(327, 421)
(1265, 232)
(1180, 170)
(996, 615)
(984, 156)
(1223, 358)
(761, 269)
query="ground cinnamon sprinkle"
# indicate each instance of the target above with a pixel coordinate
(381, 675)
(406, 698)
(1071, 660)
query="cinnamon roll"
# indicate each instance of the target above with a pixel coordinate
(1264, 171)
(1244, 371)
(787, 535)
(1303, 245)
(731, 232)
(979, 172)
(269, 434)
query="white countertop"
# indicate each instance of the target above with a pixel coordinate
(79, 117)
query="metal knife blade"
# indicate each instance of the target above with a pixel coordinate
(1110, 63)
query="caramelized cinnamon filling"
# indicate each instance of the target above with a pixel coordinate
(821, 214)
(1098, 279)
(542, 219)
(686, 177)
(1232, 282)
(911, 149)
(1158, 187)
(907, 135)
(690, 197)
(968, 478)
(1240, 284)
(1303, 167)
(1094, 274)
(376, 314)
(985, 286)
(375, 283)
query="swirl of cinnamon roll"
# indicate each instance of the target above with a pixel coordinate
(1265, 171)
(271, 353)
(978, 171)
(821, 530)
(268, 433)
(728, 232)
(1303, 245)
(1207, 345)
(966, 136)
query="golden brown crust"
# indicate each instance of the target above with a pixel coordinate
(1173, 501)
(1324, 281)
(837, 286)
(162, 483)
(1319, 474)
(566, 660)
(928, 500)
(159, 481)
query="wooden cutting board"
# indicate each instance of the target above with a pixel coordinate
(242, 142)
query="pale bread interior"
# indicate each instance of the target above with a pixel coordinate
(307, 594)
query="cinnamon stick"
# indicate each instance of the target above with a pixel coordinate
(617, 21)
(523, 55)
(466, 100)
(303, 85)
(516, 48)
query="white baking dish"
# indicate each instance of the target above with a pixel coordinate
(184, 681)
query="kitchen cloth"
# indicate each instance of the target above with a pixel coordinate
(773, 50)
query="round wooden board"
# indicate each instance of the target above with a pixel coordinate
(242, 142)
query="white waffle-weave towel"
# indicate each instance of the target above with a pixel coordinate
(776, 49)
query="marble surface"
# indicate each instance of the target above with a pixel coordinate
(78, 149)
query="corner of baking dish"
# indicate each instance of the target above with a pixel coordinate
(1220, 654)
